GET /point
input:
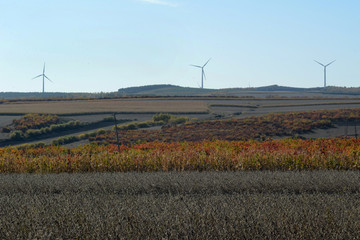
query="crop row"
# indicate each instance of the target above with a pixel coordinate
(262, 127)
(284, 154)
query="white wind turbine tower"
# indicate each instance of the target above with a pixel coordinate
(202, 72)
(43, 78)
(325, 66)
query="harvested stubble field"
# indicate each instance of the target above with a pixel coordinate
(103, 106)
(188, 205)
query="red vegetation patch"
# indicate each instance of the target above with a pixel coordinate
(284, 154)
(35, 121)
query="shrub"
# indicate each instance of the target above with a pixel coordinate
(83, 136)
(92, 134)
(33, 133)
(161, 117)
(58, 141)
(131, 126)
(38, 145)
(31, 146)
(108, 119)
(53, 128)
(65, 126)
(159, 123)
(69, 139)
(24, 146)
(17, 135)
(45, 130)
(178, 120)
(143, 125)
(5, 130)
(72, 124)
(101, 131)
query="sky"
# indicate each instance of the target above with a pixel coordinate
(104, 45)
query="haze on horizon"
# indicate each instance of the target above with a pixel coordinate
(94, 46)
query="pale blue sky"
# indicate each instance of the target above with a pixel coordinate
(93, 45)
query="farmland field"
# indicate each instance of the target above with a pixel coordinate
(175, 105)
(142, 109)
(102, 106)
(261, 127)
(282, 154)
(189, 205)
(240, 170)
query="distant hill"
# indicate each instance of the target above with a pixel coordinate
(272, 90)
(173, 90)
(38, 95)
(275, 88)
(164, 89)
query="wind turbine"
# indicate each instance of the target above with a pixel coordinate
(325, 66)
(202, 72)
(43, 78)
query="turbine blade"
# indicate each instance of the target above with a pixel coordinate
(44, 68)
(207, 62)
(37, 76)
(47, 78)
(195, 66)
(320, 63)
(204, 75)
(329, 63)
